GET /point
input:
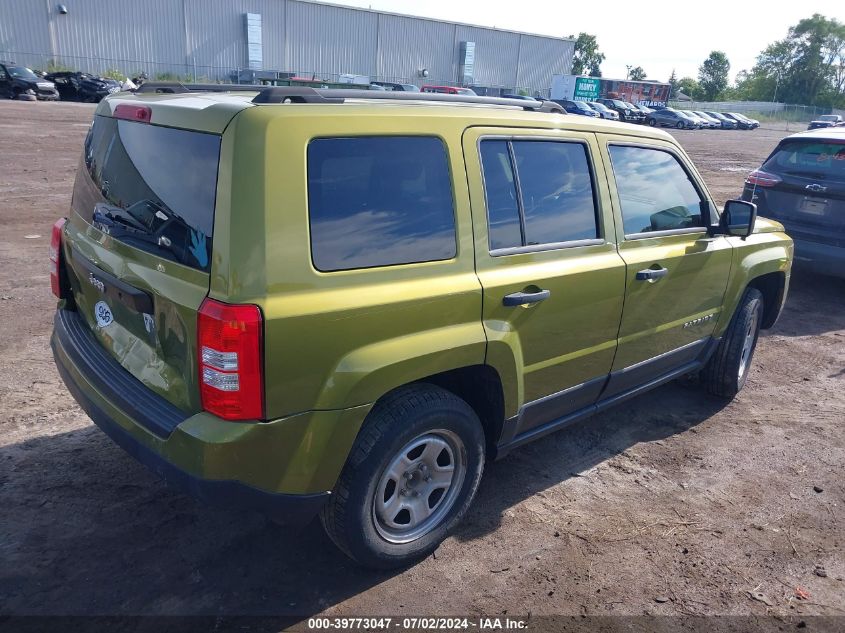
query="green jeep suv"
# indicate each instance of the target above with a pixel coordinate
(343, 303)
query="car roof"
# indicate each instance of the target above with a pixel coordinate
(823, 134)
(212, 111)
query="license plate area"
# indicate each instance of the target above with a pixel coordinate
(813, 206)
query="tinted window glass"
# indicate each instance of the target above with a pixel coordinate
(655, 192)
(556, 190)
(378, 201)
(151, 187)
(502, 208)
(809, 158)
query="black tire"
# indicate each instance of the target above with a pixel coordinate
(680, 125)
(652, 122)
(401, 418)
(727, 370)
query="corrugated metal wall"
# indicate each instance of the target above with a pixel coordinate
(408, 45)
(207, 38)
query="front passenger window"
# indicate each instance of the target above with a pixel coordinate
(655, 192)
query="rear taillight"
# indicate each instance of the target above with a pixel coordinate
(230, 366)
(55, 256)
(131, 112)
(760, 178)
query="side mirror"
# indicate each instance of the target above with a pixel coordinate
(738, 218)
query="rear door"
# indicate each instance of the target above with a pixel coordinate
(139, 247)
(676, 275)
(807, 192)
(546, 257)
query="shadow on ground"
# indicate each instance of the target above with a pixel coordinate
(815, 305)
(87, 530)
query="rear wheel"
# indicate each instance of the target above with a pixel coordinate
(680, 125)
(409, 479)
(652, 122)
(726, 372)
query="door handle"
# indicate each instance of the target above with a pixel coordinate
(652, 274)
(521, 298)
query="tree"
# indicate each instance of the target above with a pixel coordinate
(807, 66)
(689, 87)
(713, 75)
(587, 58)
(636, 74)
(673, 84)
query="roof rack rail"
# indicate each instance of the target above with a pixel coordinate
(177, 87)
(305, 94)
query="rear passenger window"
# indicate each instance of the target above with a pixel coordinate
(538, 192)
(655, 192)
(379, 201)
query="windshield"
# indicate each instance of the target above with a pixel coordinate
(617, 103)
(19, 72)
(151, 187)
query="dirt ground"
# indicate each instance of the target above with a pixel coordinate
(674, 503)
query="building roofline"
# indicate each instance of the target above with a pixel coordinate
(439, 21)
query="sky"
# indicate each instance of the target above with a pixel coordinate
(658, 36)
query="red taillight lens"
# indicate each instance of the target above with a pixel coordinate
(55, 256)
(133, 112)
(760, 178)
(230, 367)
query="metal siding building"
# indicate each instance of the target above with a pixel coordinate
(208, 38)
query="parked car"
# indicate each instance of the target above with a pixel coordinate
(397, 87)
(802, 185)
(669, 117)
(18, 82)
(742, 121)
(77, 86)
(604, 111)
(577, 107)
(645, 111)
(726, 122)
(638, 115)
(712, 122)
(826, 120)
(700, 120)
(348, 310)
(449, 90)
(625, 111)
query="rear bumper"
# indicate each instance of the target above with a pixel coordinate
(284, 468)
(822, 258)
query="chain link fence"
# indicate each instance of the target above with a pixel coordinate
(772, 115)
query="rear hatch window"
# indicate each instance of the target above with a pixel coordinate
(154, 188)
(816, 159)
(139, 279)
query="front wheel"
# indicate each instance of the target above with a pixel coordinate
(409, 479)
(652, 122)
(726, 372)
(680, 125)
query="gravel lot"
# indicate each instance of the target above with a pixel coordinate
(674, 503)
